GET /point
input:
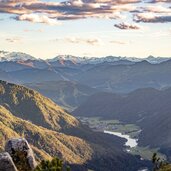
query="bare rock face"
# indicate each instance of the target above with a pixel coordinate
(6, 162)
(21, 153)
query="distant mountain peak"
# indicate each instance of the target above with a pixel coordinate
(15, 56)
(96, 60)
(20, 56)
(155, 60)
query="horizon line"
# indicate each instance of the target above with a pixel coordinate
(84, 56)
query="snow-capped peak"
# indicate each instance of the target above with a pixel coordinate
(19, 56)
(15, 56)
(97, 60)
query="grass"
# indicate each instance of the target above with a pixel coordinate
(112, 125)
(129, 129)
(146, 152)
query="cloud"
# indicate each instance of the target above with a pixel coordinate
(17, 1)
(78, 40)
(156, 9)
(14, 40)
(35, 18)
(67, 10)
(51, 13)
(38, 30)
(118, 42)
(156, 1)
(127, 26)
(160, 33)
(116, 2)
(152, 18)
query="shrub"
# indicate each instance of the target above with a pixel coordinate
(54, 165)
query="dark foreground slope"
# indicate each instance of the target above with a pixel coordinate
(53, 132)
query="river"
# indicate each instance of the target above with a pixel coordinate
(131, 142)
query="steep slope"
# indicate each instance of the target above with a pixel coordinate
(158, 124)
(53, 132)
(30, 105)
(79, 153)
(128, 108)
(51, 142)
(132, 107)
(65, 93)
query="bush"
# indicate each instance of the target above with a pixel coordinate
(20, 160)
(53, 165)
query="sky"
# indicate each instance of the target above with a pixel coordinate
(94, 28)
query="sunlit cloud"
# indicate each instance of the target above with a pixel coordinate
(49, 12)
(156, 9)
(118, 42)
(160, 34)
(79, 40)
(54, 13)
(14, 40)
(170, 30)
(31, 30)
(156, 1)
(152, 18)
(35, 18)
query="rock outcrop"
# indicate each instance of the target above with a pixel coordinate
(18, 156)
(21, 153)
(6, 162)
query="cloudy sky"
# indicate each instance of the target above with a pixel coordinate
(46, 28)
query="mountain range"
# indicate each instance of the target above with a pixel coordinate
(131, 90)
(76, 78)
(17, 56)
(85, 70)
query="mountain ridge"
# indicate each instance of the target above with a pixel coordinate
(20, 56)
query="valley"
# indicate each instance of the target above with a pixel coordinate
(129, 132)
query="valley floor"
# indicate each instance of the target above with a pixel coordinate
(130, 132)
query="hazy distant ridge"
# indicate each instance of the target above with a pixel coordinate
(15, 56)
